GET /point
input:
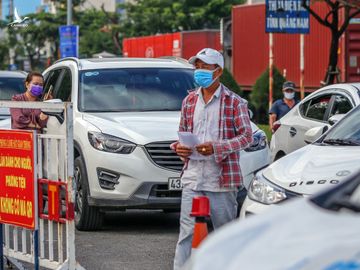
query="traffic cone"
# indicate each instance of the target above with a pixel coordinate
(200, 210)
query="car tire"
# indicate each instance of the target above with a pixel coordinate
(87, 218)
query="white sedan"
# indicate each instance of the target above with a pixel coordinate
(324, 163)
(316, 110)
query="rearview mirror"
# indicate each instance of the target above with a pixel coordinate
(251, 114)
(314, 133)
(58, 113)
(335, 118)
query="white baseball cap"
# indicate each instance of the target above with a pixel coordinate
(209, 56)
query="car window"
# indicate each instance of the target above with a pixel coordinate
(63, 87)
(346, 129)
(134, 89)
(316, 108)
(51, 79)
(341, 105)
(10, 87)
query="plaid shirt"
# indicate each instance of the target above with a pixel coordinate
(235, 133)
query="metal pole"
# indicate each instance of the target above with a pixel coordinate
(69, 12)
(271, 63)
(302, 67)
(36, 249)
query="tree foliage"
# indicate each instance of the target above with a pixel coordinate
(148, 17)
(259, 96)
(228, 80)
(103, 31)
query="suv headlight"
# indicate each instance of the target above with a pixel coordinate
(259, 141)
(108, 143)
(263, 191)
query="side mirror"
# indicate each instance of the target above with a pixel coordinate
(58, 113)
(251, 114)
(335, 118)
(314, 133)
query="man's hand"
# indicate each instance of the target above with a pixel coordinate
(205, 149)
(183, 151)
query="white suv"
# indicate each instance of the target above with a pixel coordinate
(126, 115)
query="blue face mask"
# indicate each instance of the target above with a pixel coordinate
(204, 77)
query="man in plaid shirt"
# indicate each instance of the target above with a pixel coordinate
(220, 120)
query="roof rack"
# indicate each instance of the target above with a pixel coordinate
(175, 58)
(75, 59)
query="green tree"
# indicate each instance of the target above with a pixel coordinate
(228, 80)
(148, 17)
(259, 96)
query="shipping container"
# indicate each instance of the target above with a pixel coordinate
(180, 44)
(250, 47)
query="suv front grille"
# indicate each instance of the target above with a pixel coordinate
(163, 156)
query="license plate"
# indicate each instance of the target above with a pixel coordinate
(175, 184)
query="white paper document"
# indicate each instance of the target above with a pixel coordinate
(190, 140)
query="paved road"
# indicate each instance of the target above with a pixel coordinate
(135, 240)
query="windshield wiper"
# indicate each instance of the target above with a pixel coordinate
(347, 204)
(341, 142)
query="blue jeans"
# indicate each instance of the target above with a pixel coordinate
(223, 207)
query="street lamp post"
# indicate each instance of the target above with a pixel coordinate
(69, 12)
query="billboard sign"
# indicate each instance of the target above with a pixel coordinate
(18, 193)
(69, 41)
(286, 16)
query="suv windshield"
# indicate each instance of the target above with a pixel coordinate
(134, 89)
(347, 132)
(10, 87)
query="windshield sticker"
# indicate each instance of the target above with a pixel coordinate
(89, 74)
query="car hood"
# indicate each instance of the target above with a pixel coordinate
(140, 127)
(313, 167)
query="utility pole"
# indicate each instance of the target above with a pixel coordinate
(69, 12)
(11, 49)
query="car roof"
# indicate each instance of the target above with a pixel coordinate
(129, 62)
(12, 74)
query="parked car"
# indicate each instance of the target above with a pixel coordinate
(126, 115)
(320, 232)
(11, 83)
(315, 110)
(324, 163)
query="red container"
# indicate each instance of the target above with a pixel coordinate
(200, 207)
(251, 48)
(181, 44)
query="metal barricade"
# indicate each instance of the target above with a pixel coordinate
(52, 244)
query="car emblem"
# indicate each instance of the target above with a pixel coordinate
(343, 173)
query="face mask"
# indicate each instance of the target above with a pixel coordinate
(36, 90)
(289, 95)
(204, 77)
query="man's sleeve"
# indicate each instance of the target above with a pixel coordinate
(244, 135)
(182, 126)
(274, 108)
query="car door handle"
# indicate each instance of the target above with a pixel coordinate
(292, 131)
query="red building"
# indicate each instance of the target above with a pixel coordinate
(250, 49)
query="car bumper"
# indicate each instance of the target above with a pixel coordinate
(138, 175)
(251, 207)
(147, 196)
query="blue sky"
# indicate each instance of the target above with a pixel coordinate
(23, 6)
